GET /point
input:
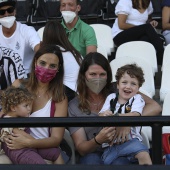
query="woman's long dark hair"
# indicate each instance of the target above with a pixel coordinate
(56, 87)
(54, 33)
(82, 89)
(145, 4)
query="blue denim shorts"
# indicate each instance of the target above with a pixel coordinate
(128, 149)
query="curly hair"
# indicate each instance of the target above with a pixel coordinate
(133, 71)
(13, 96)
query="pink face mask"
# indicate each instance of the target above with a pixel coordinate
(44, 74)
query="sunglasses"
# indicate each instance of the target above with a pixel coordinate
(9, 10)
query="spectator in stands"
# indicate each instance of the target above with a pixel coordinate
(54, 33)
(46, 82)
(80, 34)
(11, 68)
(21, 38)
(166, 20)
(93, 86)
(17, 102)
(133, 24)
(126, 102)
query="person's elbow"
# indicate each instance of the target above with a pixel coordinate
(91, 48)
(159, 110)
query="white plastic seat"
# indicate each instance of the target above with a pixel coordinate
(102, 51)
(40, 32)
(166, 111)
(104, 37)
(145, 139)
(148, 86)
(139, 49)
(166, 56)
(165, 82)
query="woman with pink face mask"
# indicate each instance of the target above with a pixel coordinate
(93, 87)
(46, 82)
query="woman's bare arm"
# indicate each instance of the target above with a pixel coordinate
(122, 22)
(152, 108)
(166, 18)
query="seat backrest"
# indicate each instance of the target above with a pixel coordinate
(109, 13)
(166, 111)
(102, 50)
(70, 142)
(165, 81)
(91, 8)
(139, 49)
(104, 36)
(44, 10)
(148, 85)
(166, 56)
(40, 32)
(157, 9)
(23, 8)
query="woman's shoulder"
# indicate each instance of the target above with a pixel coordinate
(123, 6)
(74, 102)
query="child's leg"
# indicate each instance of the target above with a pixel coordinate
(23, 156)
(144, 158)
(59, 160)
(52, 154)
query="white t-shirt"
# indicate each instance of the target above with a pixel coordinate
(71, 69)
(23, 41)
(134, 17)
(11, 67)
(137, 106)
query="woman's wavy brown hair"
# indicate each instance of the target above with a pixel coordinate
(54, 33)
(82, 89)
(145, 4)
(56, 87)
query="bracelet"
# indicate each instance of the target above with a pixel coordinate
(96, 141)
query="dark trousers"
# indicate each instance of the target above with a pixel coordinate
(143, 32)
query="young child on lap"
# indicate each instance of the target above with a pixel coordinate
(126, 103)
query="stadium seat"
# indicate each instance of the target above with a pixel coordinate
(140, 49)
(91, 9)
(148, 86)
(40, 32)
(102, 51)
(23, 8)
(166, 56)
(165, 82)
(109, 13)
(166, 111)
(43, 10)
(104, 37)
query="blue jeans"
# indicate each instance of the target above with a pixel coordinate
(128, 149)
(96, 159)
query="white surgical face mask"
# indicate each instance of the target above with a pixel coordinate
(68, 16)
(7, 22)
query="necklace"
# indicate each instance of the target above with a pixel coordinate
(96, 106)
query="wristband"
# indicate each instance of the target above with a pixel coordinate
(96, 141)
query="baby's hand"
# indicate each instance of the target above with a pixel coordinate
(106, 113)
